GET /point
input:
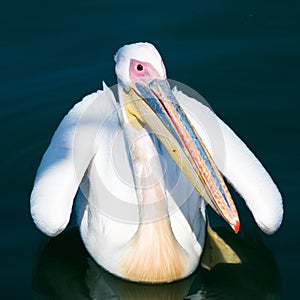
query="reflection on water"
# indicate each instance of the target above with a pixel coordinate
(64, 270)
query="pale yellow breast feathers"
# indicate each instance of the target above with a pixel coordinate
(154, 255)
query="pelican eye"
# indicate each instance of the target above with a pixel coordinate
(139, 67)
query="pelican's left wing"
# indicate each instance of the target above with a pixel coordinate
(237, 163)
(66, 160)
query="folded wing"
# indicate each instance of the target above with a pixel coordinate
(237, 163)
(66, 160)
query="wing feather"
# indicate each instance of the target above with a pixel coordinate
(237, 163)
(66, 160)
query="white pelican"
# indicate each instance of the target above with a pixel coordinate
(139, 217)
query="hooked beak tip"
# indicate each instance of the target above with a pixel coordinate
(236, 227)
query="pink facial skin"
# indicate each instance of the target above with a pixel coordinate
(139, 70)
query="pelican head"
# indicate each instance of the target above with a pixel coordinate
(137, 61)
(148, 100)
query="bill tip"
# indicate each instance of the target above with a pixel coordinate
(236, 226)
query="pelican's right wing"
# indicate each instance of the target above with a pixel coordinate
(66, 160)
(237, 163)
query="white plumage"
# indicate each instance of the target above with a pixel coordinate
(241, 168)
(89, 154)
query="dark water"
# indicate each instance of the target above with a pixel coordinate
(242, 56)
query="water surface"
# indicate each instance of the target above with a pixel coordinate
(242, 56)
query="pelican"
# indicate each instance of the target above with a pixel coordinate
(142, 166)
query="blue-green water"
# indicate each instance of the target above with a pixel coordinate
(242, 56)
